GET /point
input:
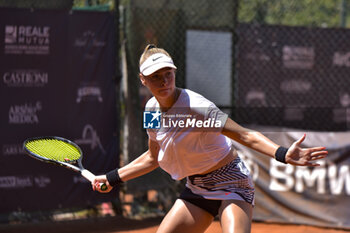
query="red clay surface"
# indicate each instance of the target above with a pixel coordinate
(122, 225)
(256, 228)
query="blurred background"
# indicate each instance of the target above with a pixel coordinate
(70, 68)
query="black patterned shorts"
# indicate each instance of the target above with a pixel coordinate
(230, 182)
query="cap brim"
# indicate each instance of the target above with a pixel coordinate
(150, 70)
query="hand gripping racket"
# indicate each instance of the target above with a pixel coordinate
(59, 151)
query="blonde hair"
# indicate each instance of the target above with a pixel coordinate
(149, 51)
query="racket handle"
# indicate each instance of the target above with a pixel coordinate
(89, 176)
(103, 186)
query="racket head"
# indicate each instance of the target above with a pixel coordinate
(53, 149)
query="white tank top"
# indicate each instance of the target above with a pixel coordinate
(190, 136)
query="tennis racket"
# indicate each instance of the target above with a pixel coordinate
(59, 151)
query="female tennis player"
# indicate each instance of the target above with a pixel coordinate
(218, 183)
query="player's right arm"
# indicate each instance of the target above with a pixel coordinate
(142, 165)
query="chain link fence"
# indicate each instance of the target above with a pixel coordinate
(276, 63)
(292, 77)
(269, 62)
(273, 63)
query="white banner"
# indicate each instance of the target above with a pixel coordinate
(295, 194)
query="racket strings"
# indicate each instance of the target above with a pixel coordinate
(54, 149)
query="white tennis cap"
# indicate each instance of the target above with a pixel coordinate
(156, 62)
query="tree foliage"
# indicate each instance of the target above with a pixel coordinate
(319, 13)
(312, 13)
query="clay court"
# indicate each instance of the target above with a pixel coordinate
(123, 225)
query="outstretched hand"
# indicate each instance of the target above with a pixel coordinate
(304, 156)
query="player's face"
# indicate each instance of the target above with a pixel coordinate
(161, 83)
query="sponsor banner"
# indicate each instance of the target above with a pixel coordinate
(298, 57)
(27, 39)
(89, 93)
(25, 78)
(302, 195)
(56, 79)
(27, 113)
(293, 68)
(19, 182)
(341, 59)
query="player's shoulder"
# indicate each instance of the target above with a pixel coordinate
(197, 99)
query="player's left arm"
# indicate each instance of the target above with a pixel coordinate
(295, 154)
